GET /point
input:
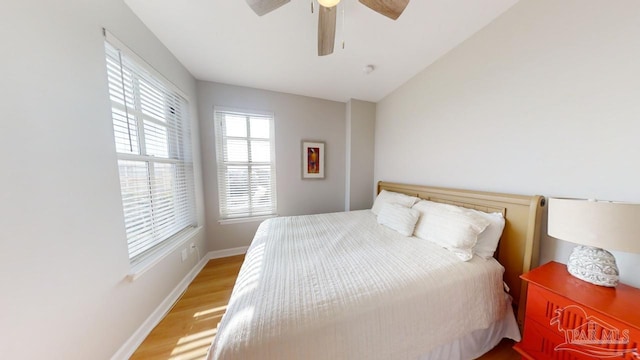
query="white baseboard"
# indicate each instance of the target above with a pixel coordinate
(130, 346)
(227, 252)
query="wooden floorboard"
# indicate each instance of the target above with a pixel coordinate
(187, 331)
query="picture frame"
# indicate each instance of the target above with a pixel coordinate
(313, 159)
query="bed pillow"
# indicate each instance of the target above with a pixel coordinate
(390, 197)
(488, 239)
(399, 218)
(452, 227)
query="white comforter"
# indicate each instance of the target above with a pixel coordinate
(341, 286)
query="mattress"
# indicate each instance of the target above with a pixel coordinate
(341, 286)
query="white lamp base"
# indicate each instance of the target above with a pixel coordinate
(593, 265)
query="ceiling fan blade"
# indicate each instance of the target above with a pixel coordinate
(262, 7)
(326, 30)
(389, 8)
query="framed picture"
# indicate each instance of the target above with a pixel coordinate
(313, 160)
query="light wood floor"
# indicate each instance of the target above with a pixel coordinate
(187, 331)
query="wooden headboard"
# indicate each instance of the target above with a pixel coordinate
(518, 250)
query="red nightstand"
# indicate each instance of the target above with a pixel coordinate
(567, 318)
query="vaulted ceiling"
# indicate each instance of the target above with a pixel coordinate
(225, 41)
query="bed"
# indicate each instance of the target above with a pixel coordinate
(341, 286)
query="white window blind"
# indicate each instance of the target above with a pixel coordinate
(246, 163)
(152, 136)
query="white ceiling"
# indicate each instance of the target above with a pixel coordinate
(225, 41)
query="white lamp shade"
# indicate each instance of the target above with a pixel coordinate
(602, 224)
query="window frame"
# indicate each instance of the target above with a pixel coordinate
(165, 225)
(251, 214)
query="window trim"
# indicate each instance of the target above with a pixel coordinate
(219, 151)
(240, 220)
(161, 251)
(158, 247)
(115, 42)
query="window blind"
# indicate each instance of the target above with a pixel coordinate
(246, 163)
(152, 137)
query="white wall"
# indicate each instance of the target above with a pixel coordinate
(544, 100)
(63, 252)
(297, 118)
(361, 121)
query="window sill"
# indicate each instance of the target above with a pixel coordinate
(246, 219)
(150, 261)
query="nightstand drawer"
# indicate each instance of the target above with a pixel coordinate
(554, 320)
(539, 343)
(546, 308)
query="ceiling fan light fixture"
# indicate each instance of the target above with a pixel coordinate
(328, 3)
(327, 17)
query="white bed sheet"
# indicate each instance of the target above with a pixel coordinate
(341, 286)
(478, 342)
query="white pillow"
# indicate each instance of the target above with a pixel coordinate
(488, 239)
(452, 227)
(390, 197)
(399, 218)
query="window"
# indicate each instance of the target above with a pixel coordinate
(152, 135)
(246, 163)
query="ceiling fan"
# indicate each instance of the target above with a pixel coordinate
(327, 16)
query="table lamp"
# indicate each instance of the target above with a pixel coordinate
(594, 226)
